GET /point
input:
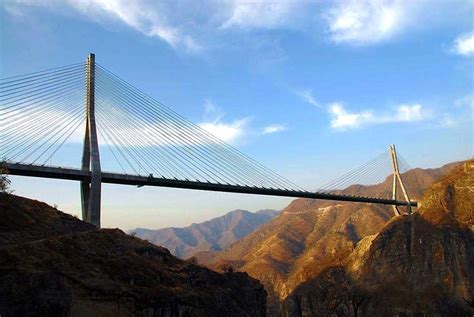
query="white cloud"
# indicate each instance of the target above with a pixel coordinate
(342, 119)
(143, 17)
(307, 96)
(211, 112)
(366, 21)
(146, 17)
(214, 124)
(195, 26)
(407, 113)
(274, 128)
(227, 132)
(170, 133)
(464, 44)
(259, 14)
(233, 131)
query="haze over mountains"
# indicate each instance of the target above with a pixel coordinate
(311, 236)
(212, 235)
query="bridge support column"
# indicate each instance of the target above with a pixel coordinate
(91, 190)
(397, 177)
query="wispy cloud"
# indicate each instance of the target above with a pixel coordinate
(342, 119)
(260, 14)
(307, 96)
(145, 17)
(464, 44)
(366, 21)
(193, 26)
(213, 123)
(273, 128)
(447, 121)
(229, 132)
(466, 101)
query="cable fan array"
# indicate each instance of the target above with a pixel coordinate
(145, 136)
(39, 112)
(373, 172)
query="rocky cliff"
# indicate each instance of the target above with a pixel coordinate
(312, 236)
(418, 265)
(52, 264)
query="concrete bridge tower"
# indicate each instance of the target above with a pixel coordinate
(91, 190)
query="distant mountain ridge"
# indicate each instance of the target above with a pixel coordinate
(212, 235)
(311, 236)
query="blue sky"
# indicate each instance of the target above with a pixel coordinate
(310, 89)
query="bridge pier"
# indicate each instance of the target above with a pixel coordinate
(397, 177)
(91, 190)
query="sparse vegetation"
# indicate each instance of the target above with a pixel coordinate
(227, 268)
(4, 181)
(133, 233)
(193, 260)
(50, 250)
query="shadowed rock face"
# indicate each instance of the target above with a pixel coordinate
(213, 235)
(416, 265)
(25, 220)
(312, 236)
(53, 264)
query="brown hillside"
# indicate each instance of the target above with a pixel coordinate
(311, 236)
(24, 220)
(420, 265)
(53, 264)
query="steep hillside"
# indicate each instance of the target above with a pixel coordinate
(311, 236)
(419, 265)
(52, 264)
(213, 235)
(25, 220)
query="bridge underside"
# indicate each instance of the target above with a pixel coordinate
(138, 180)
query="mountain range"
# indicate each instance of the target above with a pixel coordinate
(209, 236)
(416, 265)
(311, 236)
(314, 258)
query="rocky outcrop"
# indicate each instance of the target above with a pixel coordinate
(52, 264)
(311, 236)
(418, 265)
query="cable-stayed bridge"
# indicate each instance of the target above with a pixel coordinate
(144, 142)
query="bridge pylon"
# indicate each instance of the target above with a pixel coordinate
(91, 189)
(398, 178)
(39, 114)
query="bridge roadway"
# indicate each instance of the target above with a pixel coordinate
(138, 180)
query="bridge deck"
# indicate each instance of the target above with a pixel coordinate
(138, 180)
